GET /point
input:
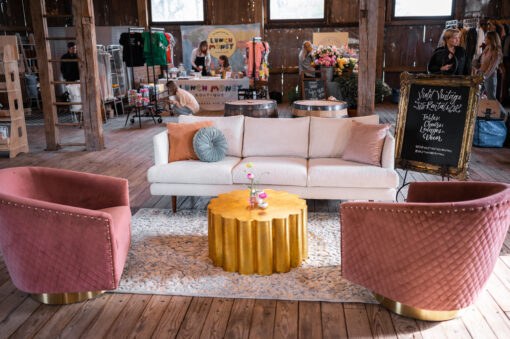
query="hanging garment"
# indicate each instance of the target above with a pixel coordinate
(170, 48)
(259, 51)
(132, 44)
(480, 38)
(471, 40)
(157, 54)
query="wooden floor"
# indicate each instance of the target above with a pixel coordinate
(129, 155)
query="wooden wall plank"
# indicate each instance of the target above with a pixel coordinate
(143, 13)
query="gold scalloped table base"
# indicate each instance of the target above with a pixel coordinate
(257, 241)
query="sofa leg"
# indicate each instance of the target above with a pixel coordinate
(174, 203)
(370, 201)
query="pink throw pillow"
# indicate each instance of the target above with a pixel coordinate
(366, 143)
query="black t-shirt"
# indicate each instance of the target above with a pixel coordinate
(70, 70)
(133, 49)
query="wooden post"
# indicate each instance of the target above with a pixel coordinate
(85, 28)
(380, 38)
(143, 14)
(37, 8)
(368, 27)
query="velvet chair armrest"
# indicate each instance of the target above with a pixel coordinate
(56, 248)
(84, 190)
(398, 249)
(456, 192)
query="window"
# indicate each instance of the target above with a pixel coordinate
(177, 10)
(296, 9)
(422, 8)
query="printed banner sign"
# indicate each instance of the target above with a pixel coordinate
(229, 40)
(213, 94)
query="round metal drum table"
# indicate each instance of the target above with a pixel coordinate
(320, 108)
(257, 241)
(261, 108)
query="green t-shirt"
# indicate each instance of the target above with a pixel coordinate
(159, 48)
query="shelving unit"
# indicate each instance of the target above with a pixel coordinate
(11, 115)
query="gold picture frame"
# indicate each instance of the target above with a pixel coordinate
(429, 83)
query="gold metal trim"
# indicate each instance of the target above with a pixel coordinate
(416, 313)
(65, 298)
(406, 80)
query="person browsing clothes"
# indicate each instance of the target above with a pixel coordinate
(70, 70)
(184, 103)
(306, 59)
(488, 63)
(201, 59)
(450, 58)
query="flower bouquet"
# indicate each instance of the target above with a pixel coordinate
(326, 56)
(256, 197)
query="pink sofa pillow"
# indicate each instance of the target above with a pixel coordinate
(365, 143)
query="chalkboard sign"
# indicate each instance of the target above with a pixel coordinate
(435, 123)
(313, 88)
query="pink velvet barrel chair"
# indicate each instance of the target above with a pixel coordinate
(428, 258)
(64, 235)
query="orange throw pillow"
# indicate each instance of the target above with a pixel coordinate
(366, 143)
(180, 139)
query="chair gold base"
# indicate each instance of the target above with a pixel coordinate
(416, 313)
(65, 298)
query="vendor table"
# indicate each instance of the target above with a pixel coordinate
(257, 241)
(212, 92)
(260, 108)
(320, 108)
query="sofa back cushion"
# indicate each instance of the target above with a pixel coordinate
(328, 137)
(231, 127)
(269, 137)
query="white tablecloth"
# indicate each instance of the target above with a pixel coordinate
(212, 92)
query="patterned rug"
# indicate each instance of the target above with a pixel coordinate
(169, 255)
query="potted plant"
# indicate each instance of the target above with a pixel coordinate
(349, 89)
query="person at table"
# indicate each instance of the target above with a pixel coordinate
(184, 102)
(450, 58)
(201, 59)
(488, 63)
(224, 65)
(306, 59)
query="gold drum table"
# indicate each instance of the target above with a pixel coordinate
(257, 241)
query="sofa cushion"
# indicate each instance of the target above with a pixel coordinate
(366, 143)
(272, 171)
(210, 144)
(231, 127)
(194, 172)
(336, 172)
(266, 137)
(328, 137)
(180, 139)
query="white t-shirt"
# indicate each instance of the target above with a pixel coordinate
(185, 98)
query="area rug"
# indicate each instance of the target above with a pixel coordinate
(169, 255)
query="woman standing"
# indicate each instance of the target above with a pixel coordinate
(201, 59)
(306, 59)
(489, 61)
(449, 59)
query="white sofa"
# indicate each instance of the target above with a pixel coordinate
(301, 156)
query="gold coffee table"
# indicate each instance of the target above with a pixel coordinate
(257, 241)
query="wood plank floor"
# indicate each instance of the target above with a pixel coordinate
(129, 155)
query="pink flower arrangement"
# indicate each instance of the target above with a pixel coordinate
(263, 195)
(330, 56)
(250, 176)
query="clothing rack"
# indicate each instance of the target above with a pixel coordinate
(134, 30)
(470, 23)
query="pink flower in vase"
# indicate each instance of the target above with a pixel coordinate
(250, 176)
(263, 195)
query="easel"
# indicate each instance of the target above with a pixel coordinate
(444, 174)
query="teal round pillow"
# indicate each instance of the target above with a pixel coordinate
(209, 144)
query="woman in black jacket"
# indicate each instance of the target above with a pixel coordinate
(449, 59)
